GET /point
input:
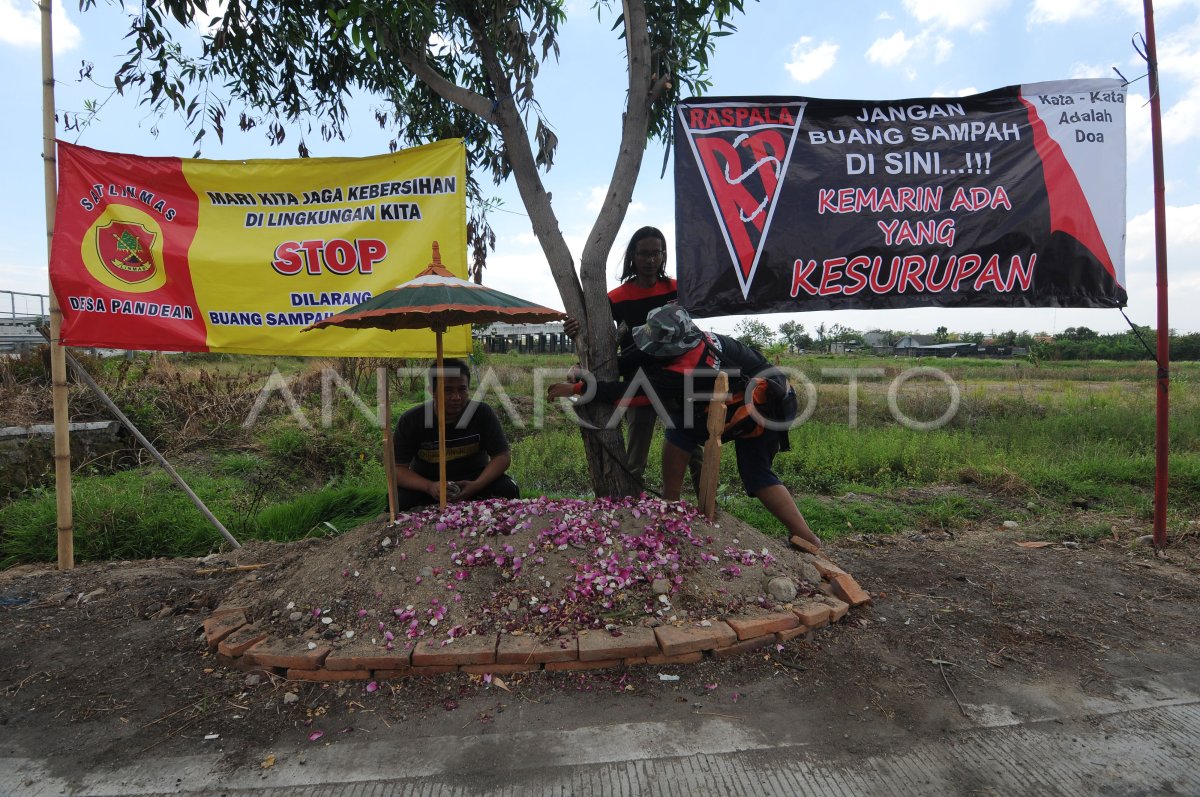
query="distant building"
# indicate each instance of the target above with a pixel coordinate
(20, 334)
(875, 339)
(907, 344)
(914, 348)
(500, 338)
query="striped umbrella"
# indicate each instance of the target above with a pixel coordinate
(435, 299)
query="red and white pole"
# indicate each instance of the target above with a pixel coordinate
(1163, 381)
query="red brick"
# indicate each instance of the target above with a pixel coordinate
(241, 640)
(218, 627)
(677, 640)
(433, 669)
(750, 627)
(837, 608)
(329, 675)
(805, 545)
(636, 661)
(367, 657)
(499, 669)
(826, 568)
(583, 665)
(400, 672)
(845, 588)
(292, 654)
(531, 650)
(744, 646)
(230, 608)
(792, 633)
(463, 650)
(683, 658)
(633, 641)
(813, 614)
(239, 663)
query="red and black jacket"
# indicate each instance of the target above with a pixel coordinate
(698, 368)
(631, 303)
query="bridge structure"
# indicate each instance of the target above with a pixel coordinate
(20, 316)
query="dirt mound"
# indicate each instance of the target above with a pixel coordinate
(536, 567)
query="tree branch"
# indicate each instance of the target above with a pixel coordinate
(515, 135)
(634, 126)
(472, 101)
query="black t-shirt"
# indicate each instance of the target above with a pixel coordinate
(470, 443)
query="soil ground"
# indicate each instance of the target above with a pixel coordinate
(106, 663)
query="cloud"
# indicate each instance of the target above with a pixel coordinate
(966, 91)
(890, 51)
(810, 61)
(897, 48)
(942, 47)
(596, 197)
(208, 21)
(953, 14)
(1183, 234)
(21, 25)
(1057, 11)
(884, 16)
(1080, 70)
(1179, 64)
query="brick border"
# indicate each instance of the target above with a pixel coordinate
(238, 643)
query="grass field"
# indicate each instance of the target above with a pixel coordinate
(881, 448)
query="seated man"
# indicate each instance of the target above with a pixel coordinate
(476, 449)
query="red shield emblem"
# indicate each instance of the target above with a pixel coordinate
(743, 150)
(125, 249)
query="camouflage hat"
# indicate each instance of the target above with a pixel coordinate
(668, 332)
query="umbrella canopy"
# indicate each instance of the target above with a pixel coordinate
(434, 299)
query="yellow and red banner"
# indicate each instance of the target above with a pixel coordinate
(166, 254)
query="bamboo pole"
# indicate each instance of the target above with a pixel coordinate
(441, 413)
(83, 376)
(710, 471)
(58, 360)
(389, 453)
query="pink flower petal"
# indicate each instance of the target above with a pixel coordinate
(312, 737)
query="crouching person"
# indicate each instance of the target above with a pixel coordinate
(477, 453)
(679, 361)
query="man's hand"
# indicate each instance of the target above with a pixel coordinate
(571, 326)
(461, 490)
(560, 390)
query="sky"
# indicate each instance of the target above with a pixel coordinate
(888, 50)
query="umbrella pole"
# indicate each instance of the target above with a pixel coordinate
(441, 414)
(389, 452)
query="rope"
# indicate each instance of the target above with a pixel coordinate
(1163, 373)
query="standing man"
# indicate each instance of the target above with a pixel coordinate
(681, 363)
(644, 286)
(476, 449)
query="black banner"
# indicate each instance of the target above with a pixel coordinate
(1012, 198)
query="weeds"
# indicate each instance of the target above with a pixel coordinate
(1054, 433)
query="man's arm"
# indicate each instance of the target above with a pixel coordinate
(405, 445)
(409, 479)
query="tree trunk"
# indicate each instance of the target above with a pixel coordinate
(584, 294)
